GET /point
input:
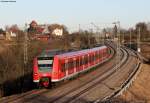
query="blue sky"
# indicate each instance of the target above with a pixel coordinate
(74, 12)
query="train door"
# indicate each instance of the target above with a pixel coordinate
(101, 55)
(83, 64)
(75, 65)
(88, 60)
(80, 63)
(63, 69)
(66, 67)
(94, 59)
(70, 66)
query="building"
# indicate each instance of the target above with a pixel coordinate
(148, 26)
(42, 37)
(57, 32)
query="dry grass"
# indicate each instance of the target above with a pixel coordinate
(146, 50)
(140, 90)
(14, 75)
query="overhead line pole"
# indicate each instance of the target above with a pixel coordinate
(118, 44)
(138, 39)
(98, 29)
(130, 38)
(25, 55)
(99, 36)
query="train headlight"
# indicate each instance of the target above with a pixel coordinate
(35, 74)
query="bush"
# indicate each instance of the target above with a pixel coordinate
(15, 77)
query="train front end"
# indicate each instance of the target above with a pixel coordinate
(42, 70)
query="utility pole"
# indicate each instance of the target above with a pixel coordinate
(139, 40)
(91, 32)
(118, 44)
(25, 45)
(79, 37)
(130, 38)
(79, 28)
(98, 29)
(123, 38)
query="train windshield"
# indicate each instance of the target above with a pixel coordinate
(45, 64)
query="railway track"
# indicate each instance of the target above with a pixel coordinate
(75, 90)
(128, 81)
(35, 93)
(72, 95)
(87, 93)
(54, 99)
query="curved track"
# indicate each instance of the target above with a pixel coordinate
(89, 87)
(35, 93)
(76, 94)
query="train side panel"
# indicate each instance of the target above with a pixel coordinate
(35, 71)
(66, 67)
(55, 70)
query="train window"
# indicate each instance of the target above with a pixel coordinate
(74, 63)
(70, 64)
(83, 61)
(66, 66)
(80, 61)
(63, 67)
(92, 58)
(96, 55)
(86, 59)
(77, 63)
(45, 63)
(100, 54)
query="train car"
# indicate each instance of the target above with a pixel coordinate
(55, 66)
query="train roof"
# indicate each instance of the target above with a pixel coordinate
(81, 52)
(50, 53)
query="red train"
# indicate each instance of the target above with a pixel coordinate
(54, 66)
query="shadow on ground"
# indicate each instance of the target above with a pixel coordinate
(19, 85)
